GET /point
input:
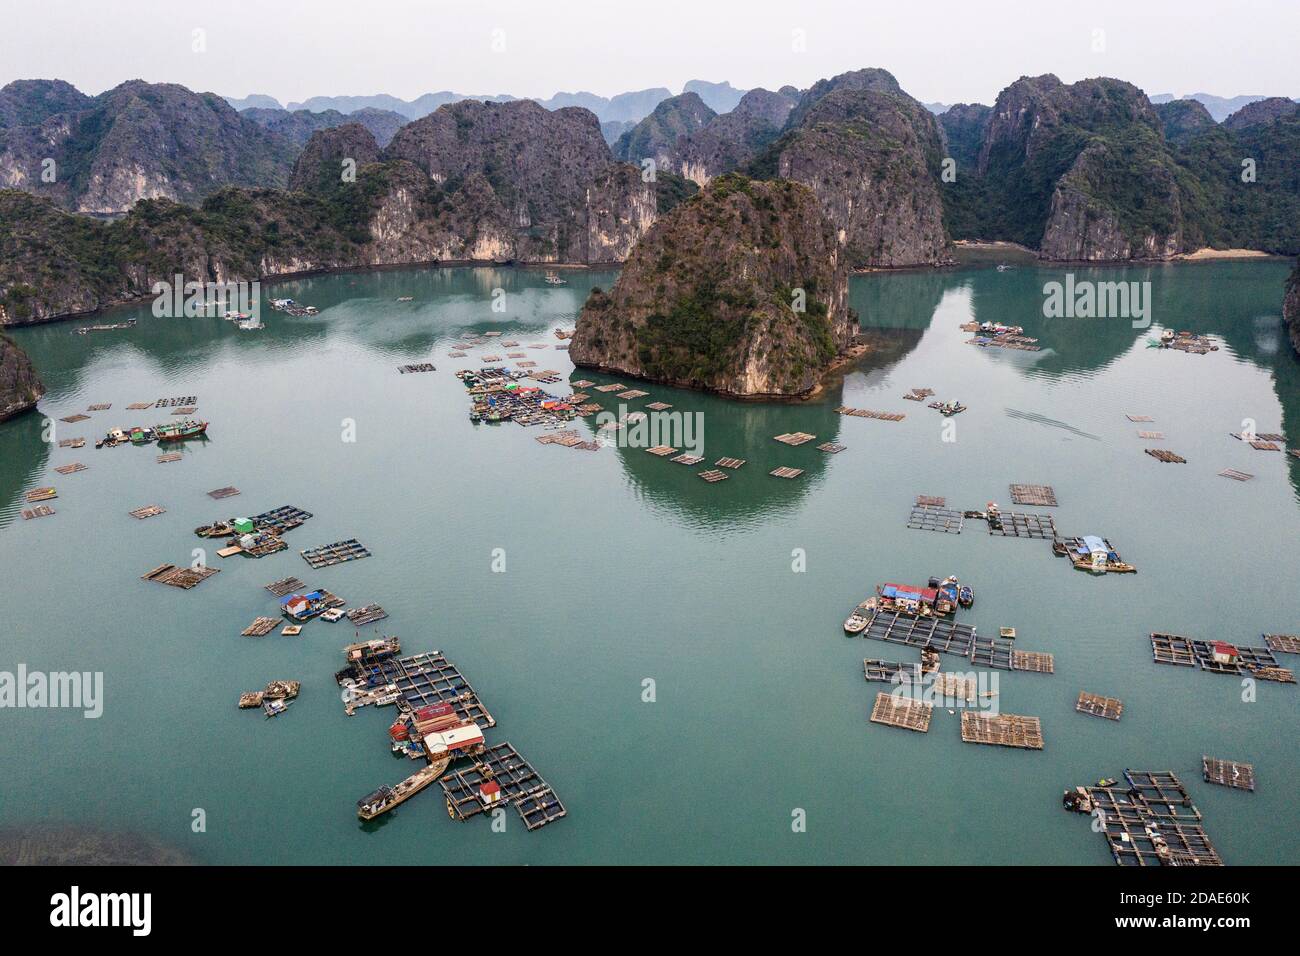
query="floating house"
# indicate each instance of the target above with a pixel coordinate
(1224, 653)
(907, 599)
(304, 607)
(458, 740)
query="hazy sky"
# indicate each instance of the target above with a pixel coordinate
(939, 50)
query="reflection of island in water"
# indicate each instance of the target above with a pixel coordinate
(53, 844)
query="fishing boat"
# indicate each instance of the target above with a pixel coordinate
(274, 708)
(966, 595)
(385, 798)
(179, 431)
(1107, 782)
(948, 408)
(857, 621)
(554, 279)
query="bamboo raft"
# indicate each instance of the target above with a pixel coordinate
(366, 614)
(1283, 643)
(685, 459)
(185, 400)
(1166, 456)
(139, 406)
(100, 407)
(582, 383)
(520, 786)
(905, 712)
(919, 394)
(1034, 662)
(868, 413)
(1228, 773)
(73, 419)
(662, 450)
(785, 472)
(419, 367)
(175, 577)
(713, 475)
(658, 406)
(931, 501)
(612, 387)
(1235, 475)
(1095, 705)
(40, 511)
(72, 443)
(1041, 495)
(794, 438)
(41, 494)
(631, 393)
(227, 492)
(1138, 419)
(169, 457)
(260, 627)
(148, 511)
(71, 469)
(1002, 730)
(286, 586)
(328, 555)
(732, 463)
(831, 448)
(1152, 436)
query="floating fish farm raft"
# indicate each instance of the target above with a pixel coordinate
(951, 637)
(173, 576)
(905, 712)
(500, 775)
(414, 682)
(1152, 822)
(1041, 495)
(1097, 706)
(1228, 773)
(1219, 657)
(1002, 730)
(931, 517)
(339, 552)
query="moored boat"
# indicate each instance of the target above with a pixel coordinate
(857, 621)
(179, 431)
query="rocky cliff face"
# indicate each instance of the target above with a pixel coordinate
(1262, 111)
(531, 171)
(731, 141)
(963, 126)
(872, 159)
(1182, 119)
(320, 166)
(139, 141)
(1291, 307)
(658, 135)
(20, 389)
(708, 298)
(1083, 226)
(32, 102)
(872, 79)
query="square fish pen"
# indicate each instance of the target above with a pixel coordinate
(185, 578)
(1013, 524)
(519, 785)
(280, 520)
(328, 555)
(948, 637)
(891, 672)
(286, 586)
(932, 518)
(424, 679)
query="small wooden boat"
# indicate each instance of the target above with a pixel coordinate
(1107, 782)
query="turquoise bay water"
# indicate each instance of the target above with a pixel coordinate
(622, 567)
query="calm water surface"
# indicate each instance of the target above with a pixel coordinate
(622, 566)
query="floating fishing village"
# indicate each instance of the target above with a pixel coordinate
(945, 666)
